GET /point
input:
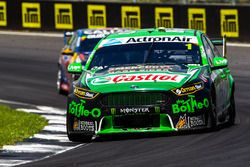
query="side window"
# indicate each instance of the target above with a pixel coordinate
(214, 49)
(72, 43)
(208, 50)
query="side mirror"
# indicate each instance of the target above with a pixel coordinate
(219, 62)
(75, 68)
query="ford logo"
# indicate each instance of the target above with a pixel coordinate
(134, 86)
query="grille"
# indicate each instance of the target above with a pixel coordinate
(133, 99)
(137, 121)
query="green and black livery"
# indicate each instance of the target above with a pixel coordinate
(151, 80)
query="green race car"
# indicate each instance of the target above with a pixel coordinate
(151, 80)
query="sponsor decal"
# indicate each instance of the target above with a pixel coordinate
(85, 94)
(182, 123)
(112, 42)
(219, 62)
(31, 17)
(97, 16)
(139, 68)
(229, 23)
(94, 36)
(3, 13)
(75, 67)
(63, 16)
(160, 77)
(76, 125)
(188, 89)
(197, 19)
(185, 122)
(83, 126)
(131, 17)
(134, 110)
(149, 39)
(196, 121)
(113, 111)
(160, 39)
(103, 31)
(190, 105)
(87, 126)
(78, 110)
(164, 17)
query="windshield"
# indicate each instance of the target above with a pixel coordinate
(87, 45)
(147, 53)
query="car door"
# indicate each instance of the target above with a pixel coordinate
(225, 74)
(217, 75)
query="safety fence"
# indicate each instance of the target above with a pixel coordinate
(44, 15)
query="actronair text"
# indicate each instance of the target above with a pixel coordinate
(148, 39)
(159, 39)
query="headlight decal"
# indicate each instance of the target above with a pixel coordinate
(84, 93)
(186, 90)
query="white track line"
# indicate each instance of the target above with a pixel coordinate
(47, 141)
(33, 148)
(8, 162)
(40, 34)
(60, 138)
(247, 45)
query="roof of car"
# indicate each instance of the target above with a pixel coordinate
(155, 32)
(99, 31)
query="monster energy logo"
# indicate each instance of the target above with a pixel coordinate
(229, 23)
(63, 17)
(189, 105)
(197, 22)
(31, 16)
(131, 20)
(164, 20)
(2, 13)
(97, 18)
(78, 109)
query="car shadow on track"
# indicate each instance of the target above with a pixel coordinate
(118, 137)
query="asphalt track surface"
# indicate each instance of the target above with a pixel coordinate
(28, 69)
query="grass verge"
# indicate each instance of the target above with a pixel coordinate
(16, 125)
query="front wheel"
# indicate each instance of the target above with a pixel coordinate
(79, 138)
(75, 137)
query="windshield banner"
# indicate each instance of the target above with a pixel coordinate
(148, 39)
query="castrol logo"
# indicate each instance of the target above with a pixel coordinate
(138, 78)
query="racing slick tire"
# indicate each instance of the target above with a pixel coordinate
(79, 138)
(231, 111)
(212, 115)
(76, 137)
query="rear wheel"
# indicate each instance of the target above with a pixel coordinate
(212, 115)
(231, 111)
(74, 136)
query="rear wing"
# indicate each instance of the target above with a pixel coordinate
(221, 42)
(66, 36)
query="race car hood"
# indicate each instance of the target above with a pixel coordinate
(138, 78)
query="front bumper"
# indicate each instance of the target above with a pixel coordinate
(99, 116)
